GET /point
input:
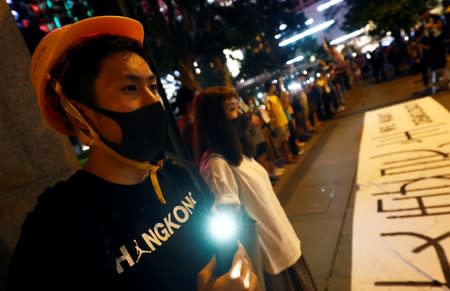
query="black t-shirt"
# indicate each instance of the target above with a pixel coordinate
(89, 234)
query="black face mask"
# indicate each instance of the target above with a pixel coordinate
(144, 132)
(240, 124)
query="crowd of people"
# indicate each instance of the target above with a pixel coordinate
(428, 46)
(284, 119)
(423, 51)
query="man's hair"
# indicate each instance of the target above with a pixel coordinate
(184, 96)
(213, 130)
(80, 65)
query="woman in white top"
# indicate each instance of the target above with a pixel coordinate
(225, 155)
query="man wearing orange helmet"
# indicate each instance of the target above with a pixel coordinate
(131, 219)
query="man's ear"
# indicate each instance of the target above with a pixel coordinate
(86, 113)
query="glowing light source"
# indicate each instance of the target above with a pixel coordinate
(294, 60)
(282, 26)
(386, 41)
(309, 21)
(170, 78)
(307, 32)
(234, 59)
(15, 14)
(223, 226)
(294, 86)
(56, 20)
(328, 4)
(170, 85)
(347, 36)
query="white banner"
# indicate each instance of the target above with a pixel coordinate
(401, 223)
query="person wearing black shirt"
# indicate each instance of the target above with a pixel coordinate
(133, 218)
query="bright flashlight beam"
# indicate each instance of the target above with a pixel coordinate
(328, 5)
(223, 226)
(307, 32)
(347, 36)
(294, 60)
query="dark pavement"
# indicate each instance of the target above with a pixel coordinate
(318, 191)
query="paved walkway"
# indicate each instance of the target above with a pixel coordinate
(318, 191)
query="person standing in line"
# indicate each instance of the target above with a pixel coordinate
(133, 218)
(224, 153)
(279, 122)
(261, 153)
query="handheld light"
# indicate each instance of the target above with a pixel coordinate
(224, 228)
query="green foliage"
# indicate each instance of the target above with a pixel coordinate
(386, 14)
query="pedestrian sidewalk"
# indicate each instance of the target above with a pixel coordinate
(317, 192)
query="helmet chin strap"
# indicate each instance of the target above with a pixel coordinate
(95, 141)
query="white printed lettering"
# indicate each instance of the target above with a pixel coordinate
(163, 234)
(149, 239)
(125, 257)
(160, 232)
(170, 224)
(185, 213)
(189, 203)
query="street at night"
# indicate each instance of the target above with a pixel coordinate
(218, 145)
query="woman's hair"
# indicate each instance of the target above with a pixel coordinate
(213, 130)
(80, 66)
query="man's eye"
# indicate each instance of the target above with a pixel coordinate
(130, 88)
(153, 87)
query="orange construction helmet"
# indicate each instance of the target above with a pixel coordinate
(54, 45)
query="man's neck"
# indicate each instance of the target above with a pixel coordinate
(112, 170)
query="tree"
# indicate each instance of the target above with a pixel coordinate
(181, 32)
(263, 54)
(388, 15)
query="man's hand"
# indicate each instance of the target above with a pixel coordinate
(239, 277)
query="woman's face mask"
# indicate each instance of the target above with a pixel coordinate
(240, 124)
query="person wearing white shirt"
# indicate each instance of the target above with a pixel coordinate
(224, 153)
